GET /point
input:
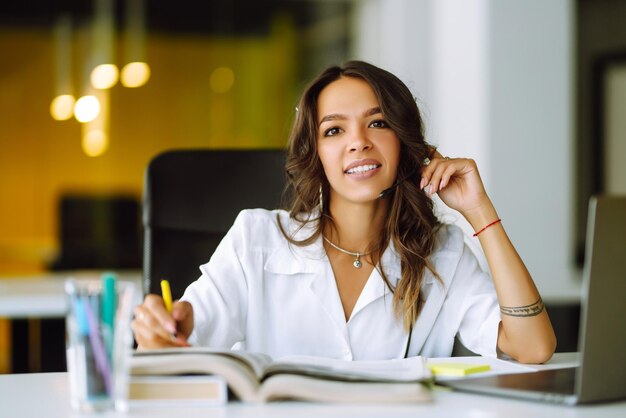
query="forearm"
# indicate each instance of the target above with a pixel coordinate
(526, 332)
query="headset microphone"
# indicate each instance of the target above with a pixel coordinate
(388, 190)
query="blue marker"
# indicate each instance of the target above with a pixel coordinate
(81, 317)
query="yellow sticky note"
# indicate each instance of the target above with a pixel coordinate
(457, 369)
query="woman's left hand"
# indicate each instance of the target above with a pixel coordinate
(457, 182)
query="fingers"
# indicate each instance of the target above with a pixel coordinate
(446, 176)
(182, 312)
(155, 305)
(436, 175)
(440, 171)
(154, 327)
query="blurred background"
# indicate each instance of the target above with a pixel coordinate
(535, 91)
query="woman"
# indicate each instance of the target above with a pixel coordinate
(360, 267)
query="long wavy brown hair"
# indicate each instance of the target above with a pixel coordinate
(411, 223)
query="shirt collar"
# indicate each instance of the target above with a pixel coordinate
(289, 258)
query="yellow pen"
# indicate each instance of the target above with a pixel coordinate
(166, 292)
(167, 295)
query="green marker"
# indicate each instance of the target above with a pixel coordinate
(108, 310)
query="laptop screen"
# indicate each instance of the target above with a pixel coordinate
(602, 342)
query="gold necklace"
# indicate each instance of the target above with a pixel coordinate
(357, 262)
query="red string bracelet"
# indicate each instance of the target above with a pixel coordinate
(491, 224)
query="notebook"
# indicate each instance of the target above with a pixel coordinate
(601, 375)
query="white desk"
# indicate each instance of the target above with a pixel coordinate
(43, 296)
(46, 395)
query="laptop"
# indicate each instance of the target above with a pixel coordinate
(601, 375)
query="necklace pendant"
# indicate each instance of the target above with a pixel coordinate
(357, 263)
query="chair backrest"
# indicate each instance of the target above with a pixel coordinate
(192, 197)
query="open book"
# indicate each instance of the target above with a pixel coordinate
(256, 378)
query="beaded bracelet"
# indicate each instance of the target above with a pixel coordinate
(491, 224)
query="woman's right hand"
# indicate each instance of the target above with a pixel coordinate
(155, 327)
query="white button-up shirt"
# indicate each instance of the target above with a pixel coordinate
(263, 294)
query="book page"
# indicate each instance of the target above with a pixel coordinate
(286, 386)
(411, 369)
(256, 362)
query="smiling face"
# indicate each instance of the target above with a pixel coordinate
(357, 149)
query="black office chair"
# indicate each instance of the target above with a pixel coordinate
(192, 197)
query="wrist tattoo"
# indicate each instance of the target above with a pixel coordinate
(523, 311)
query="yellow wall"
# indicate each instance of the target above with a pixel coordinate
(41, 158)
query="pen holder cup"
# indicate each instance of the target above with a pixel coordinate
(98, 342)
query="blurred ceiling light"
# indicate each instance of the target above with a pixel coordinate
(136, 72)
(104, 74)
(95, 143)
(222, 79)
(86, 109)
(62, 106)
(95, 134)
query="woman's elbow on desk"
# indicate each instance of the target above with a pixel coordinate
(530, 350)
(536, 355)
